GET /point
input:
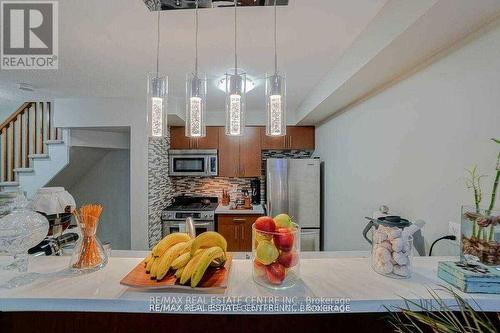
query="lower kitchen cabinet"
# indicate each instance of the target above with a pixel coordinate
(237, 229)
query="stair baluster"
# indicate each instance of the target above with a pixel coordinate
(24, 133)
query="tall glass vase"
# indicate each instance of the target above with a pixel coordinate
(480, 235)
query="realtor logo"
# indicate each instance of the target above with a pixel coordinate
(29, 35)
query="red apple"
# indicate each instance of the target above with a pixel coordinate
(259, 268)
(288, 259)
(265, 223)
(275, 273)
(283, 239)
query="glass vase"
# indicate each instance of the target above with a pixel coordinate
(20, 230)
(480, 231)
(276, 257)
(88, 254)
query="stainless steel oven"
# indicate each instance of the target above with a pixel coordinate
(173, 221)
(191, 162)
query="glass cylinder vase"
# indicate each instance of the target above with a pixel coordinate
(88, 254)
(276, 257)
(480, 239)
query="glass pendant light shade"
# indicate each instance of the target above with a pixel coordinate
(276, 105)
(235, 103)
(157, 104)
(196, 96)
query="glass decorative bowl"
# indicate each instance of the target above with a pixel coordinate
(276, 257)
(20, 230)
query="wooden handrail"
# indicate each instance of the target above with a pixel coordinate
(13, 116)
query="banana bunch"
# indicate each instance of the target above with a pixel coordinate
(188, 257)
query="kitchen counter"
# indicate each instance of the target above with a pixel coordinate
(257, 210)
(327, 278)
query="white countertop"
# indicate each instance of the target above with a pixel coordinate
(257, 210)
(324, 275)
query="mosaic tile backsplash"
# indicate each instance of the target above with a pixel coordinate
(211, 186)
(160, 189)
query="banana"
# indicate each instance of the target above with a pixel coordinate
(208, 239)
(167, 258)
(178, 272)
(181, 260)
(188, 246)
(218, 262)
(203, 263)
(148, 259)
(154, 268)
(150, 264)
(189, 268)
(169, 241)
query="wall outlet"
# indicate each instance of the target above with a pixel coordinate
(454, 229)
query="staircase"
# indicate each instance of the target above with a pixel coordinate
(32, 150)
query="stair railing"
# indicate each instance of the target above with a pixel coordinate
(23, 134)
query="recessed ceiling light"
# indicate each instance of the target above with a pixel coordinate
(221, 83)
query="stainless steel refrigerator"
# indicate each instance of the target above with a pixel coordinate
(293, 187)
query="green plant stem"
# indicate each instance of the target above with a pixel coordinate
(493, 194)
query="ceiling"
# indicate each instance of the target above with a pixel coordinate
(334, 52)
(107, 48)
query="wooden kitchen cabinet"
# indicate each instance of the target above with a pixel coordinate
(178, 139)
(297, 137)
(229, 155)
(237, 229)
(240, 156)
(300, 137)
(250, 153)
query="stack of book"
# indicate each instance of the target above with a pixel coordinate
(471, 277)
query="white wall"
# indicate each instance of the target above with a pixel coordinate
(7, 107)
(408, 147)
(108, 183)
(108, 112)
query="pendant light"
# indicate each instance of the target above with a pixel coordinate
(196, 95)
(276, 95)
(157, 91)
(235, 91)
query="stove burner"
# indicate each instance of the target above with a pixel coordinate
(184, 203)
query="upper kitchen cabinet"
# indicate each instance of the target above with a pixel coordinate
(250, 153)
(178, 139)
(300, 137)
(297, 137)
(229, 155)
(240, 156)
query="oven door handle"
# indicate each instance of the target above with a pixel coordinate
(202, 224)
(178, 224)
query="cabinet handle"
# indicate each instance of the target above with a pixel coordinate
(291, 141)
(235, 233)
(284, 141)
(239, 220)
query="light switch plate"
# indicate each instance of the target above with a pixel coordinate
(454, 229)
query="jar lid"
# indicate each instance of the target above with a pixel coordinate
(393, 221)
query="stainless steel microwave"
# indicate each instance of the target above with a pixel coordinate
(193, 162)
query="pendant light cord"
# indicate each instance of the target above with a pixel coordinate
(196, 41)
(235, 34)
(275, 41)
(158, 45)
